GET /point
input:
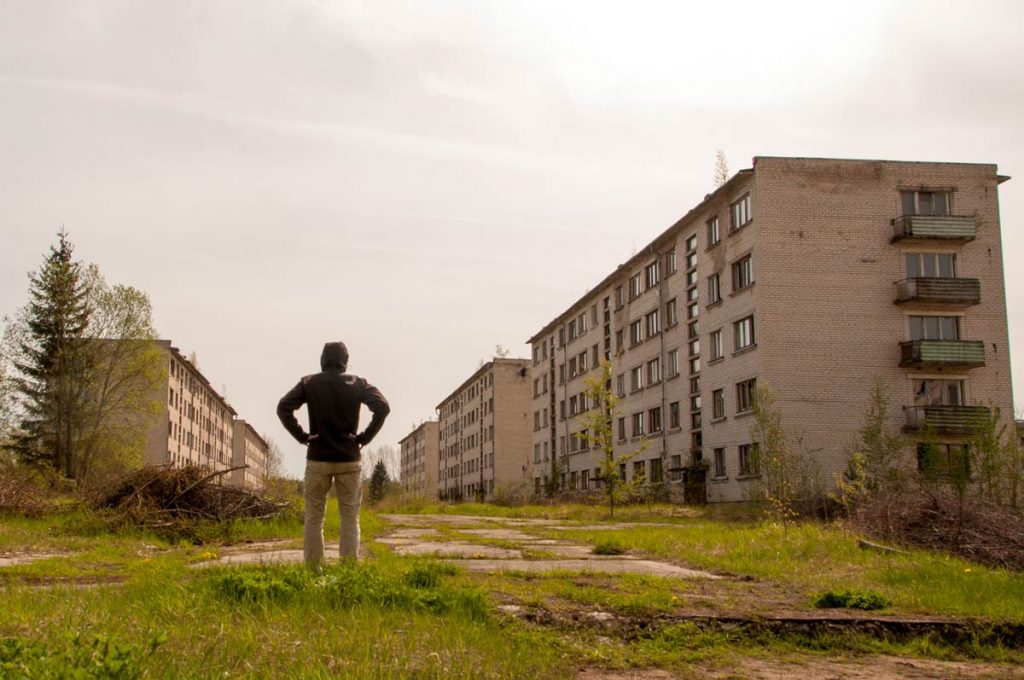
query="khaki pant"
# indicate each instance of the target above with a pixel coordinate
(347, 480)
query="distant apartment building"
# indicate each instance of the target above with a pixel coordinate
(815, 277)
(484, 432)
(419, 458)
(248, 448)
(198, 424)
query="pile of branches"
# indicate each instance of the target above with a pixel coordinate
(19, 496)
(936, 519)
(174, 500)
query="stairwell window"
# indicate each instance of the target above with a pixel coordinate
(934, 328)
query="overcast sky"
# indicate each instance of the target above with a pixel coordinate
(426, 180)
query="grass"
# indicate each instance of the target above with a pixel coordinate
(398, 617)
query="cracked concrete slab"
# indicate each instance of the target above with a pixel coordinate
(450, 549)
(604, 566)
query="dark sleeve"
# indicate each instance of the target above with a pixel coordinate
(286, 408)
(380, 409)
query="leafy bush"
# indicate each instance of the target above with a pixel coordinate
(852, 599)
(609, 547)
(76, 656)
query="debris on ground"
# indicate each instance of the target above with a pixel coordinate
(19, 496)
(173, 500)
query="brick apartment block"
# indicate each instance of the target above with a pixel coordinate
(419, 458)
(812, 276)
(483, 432)
(199, 427)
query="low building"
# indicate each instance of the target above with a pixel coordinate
(197, 424)
(248, 449)
(419, 458)
(484, 432)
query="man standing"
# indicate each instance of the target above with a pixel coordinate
(332, 398)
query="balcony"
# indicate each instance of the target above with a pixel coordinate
(942, 354)
(954, 420)
(927, 227)
(942, 292)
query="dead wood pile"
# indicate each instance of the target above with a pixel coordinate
(979, 531)
(160, 497)
(19, 496)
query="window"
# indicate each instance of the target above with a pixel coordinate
(582, 323)
(636, 332)
(673, 363)
(670, 262)
(692, 311)
(651, 276)
(714, 289)
(618, 297)
(561, 409)
(595, 359)
(744, 333)
(693, 331)
(742, 273)
(653, 320)
(584, 479)
(636, 378)
(673, 416)
(620, 384)
(748, 460)
(944, 459)
(655, 464)
(931, 265)
(935, 392)
(654, 420)
(719, 458)
(695, 365)
(638, 470)
(653, 371)
(582, 362)
(740, 212)
(584, 402)
(635, 283)
(671, 315)
(715, 345)
(694, 347)
(745, 395)
(933, 203)
(536, 387)
(536, 453)
(618, 340)
(622, 429)
(572, 330)
(536, 420)
(584, 437)
(573, 405)
(572, 368)
(934, 328)
(718, 404)
(691, 243)
(638, 424)
(695, 420)
(714, 236)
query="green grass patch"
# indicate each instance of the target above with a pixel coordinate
(851, 599)
(609, 547)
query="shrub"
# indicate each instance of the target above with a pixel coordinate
(851, 599)
(609, 547)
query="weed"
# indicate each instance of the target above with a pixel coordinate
(75, 656)
(852, 599)
(609, 547)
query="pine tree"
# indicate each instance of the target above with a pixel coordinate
(379, 482)
(51, 359)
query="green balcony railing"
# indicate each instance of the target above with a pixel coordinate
(946, 292)
(942, 353)
(946, 228)
(962, 420)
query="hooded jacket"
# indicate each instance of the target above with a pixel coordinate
(332, 398)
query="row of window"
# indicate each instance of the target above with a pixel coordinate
(739, 216)
(746, 459)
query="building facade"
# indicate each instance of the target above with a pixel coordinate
(419, 460)
(483, 432)
(817, 278)
(197, 426)
(250, 450)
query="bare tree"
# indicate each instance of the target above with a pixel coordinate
(721, 168)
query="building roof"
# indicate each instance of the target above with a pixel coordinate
(175, 352)
(480, 371)
(642, 255)
(416, 429)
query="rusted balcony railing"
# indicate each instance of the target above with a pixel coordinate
(942, 353)
(927, 227)
(956, 420)
(945, 292)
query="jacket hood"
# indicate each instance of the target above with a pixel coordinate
(335, 355)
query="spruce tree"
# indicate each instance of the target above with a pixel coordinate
(379, 481)
(51, 358)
